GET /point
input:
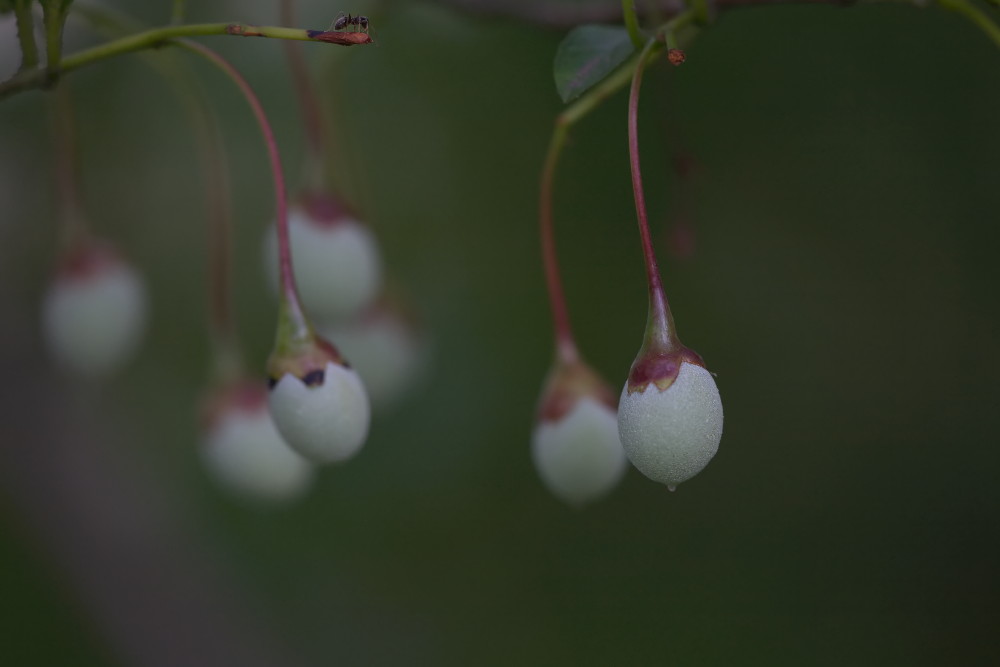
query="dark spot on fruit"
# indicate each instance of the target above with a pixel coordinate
(314, 378)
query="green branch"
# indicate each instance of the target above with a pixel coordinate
(632, 23)
(53, 19)
(622, 76)
(37, 78)
(26, 34)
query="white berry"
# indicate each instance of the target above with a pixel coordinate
(338, 270)
(94, 318)
(671, 435)
(244, 451)
(579, 456)
(326, 422)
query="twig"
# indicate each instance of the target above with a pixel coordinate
(38, 77)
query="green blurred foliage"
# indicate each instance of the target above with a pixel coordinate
(843, 287)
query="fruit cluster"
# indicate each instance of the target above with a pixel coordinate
(316, 409)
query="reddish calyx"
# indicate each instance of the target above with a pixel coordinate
(567, 384)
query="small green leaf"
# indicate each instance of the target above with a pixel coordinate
(588, 54)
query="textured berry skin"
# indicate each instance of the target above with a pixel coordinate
(326, 421)
(246, 454)
(94, 313)
(338, 270)
(579, 456)
(670, 435)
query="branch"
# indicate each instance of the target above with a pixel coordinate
(38, 77)
(26, 34)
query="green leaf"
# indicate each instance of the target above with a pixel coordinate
(588, 54)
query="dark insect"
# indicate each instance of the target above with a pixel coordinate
(342, 21)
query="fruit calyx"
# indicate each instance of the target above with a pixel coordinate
(242, 394)
(88, 259)
(568, 382)
(659, 368)
(305, 360)
(324, 209)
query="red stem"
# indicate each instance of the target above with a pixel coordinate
(75, 231)
(289, 292)
(220, 232)
(660, 328)
(566, 350)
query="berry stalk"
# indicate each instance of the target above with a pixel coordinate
(566, 350)
(221, 321)
(565, 345)
(75, 232)
(293, 327)
(660, 330)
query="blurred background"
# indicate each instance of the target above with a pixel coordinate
(837, 270)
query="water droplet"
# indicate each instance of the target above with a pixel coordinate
(671, 487)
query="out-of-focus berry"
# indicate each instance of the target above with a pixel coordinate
(338, 269)
(94, 312)
(244, 451)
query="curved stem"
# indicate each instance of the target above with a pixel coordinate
(660, 326)
(618, 79)
(26, 34)
(293, 326)
(75, 231)
(222, 321)
(632, 23)
(36, 78)
(227, 362)
(566, 351)
(976, 15)
(565, 344)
